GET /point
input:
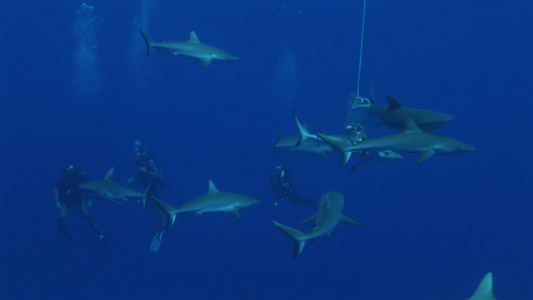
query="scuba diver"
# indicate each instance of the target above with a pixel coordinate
(281, 183)
(149, 174)
(67, 193)
(358, 115)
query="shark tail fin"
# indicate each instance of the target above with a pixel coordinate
(168, 209)
(147, 40)
(484, 289)
(304, 132)
(296, 236)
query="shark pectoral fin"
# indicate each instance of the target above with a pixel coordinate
(323, 155)
(424, 156)
(115, 200)
(296, 236)
(308, 220)
(347, 220)
(175, 53)
(410, 126)
(206, 61)
(235, 212)
(339, 146)
(362, 161)
(345, 157)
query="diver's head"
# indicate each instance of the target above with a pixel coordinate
(350, 130)
(136, 145)
(138, 150)
(75, 170)
(279, 170)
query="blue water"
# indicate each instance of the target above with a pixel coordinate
(76, 88)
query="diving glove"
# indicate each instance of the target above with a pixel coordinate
(101, 236)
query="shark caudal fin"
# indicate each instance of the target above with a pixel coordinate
(168, 209)
(484, 289)
(147, 40)
(304, 132)
(297, 236)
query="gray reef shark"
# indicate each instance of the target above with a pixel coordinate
(411, 140)
(191, 48)
(395, 115)
(309, 146)
(110, 190)
(328, 216)
(339, 142)
(213, 201)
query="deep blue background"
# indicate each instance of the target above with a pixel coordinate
(431, 230)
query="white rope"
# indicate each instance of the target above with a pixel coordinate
(361, 49)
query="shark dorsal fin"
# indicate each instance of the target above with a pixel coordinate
(109, 174)
(193, 38)
(393, 103)
(484, 290)
(212, 188)
(410, 126)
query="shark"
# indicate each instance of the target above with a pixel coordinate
(192, 48)
(213, 201)
(310, 146)
(337, 142)
(395, 115)
(328, 216)
(110, 190)
(413, 139)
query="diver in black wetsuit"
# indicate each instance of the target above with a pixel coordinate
(281, 183)
(67, 193)
(150, 175)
